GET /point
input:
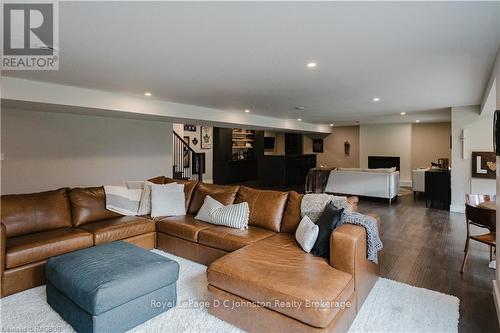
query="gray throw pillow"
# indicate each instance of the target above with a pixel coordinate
(204, 212)
(306, 234)
(167, 200)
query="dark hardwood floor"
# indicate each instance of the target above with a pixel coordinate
(424, 247)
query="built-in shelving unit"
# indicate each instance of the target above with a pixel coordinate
(242, 143)
(235, 154)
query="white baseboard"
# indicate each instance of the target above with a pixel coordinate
(405, 183)
(457, 209)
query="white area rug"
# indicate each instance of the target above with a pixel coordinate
(391, 307)
(397, 307)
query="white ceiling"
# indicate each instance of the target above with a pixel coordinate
(417, 57)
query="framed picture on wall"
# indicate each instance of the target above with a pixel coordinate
(190, 128)
(206, 137)
(484, 165)
(186, 154)
(317, 145)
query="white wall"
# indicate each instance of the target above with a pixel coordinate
(430, 142)
(479, 138)
(179, 129)
(495, 78)
(19, 92)
(491, 98)
(45, 150)
(333, 148)
(387, 140)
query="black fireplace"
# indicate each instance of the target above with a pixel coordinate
(375, 162)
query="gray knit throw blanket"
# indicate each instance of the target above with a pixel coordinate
(313, 206)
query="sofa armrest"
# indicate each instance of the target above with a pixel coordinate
(348, 254)
(3, 242)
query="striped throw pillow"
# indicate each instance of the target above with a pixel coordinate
(232, 216)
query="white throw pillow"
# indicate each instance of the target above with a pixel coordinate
(135, 184)
(145, 204)
(208, 204)
(233, 216)
(167, 200)
(306, 234)
(121, 200)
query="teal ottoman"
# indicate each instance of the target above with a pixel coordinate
(111, 287)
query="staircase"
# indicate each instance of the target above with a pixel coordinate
(187, 164)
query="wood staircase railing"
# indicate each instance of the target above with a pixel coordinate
(187, 164)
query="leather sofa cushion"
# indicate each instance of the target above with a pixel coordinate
(29, 213)
(109, 230)
(266, 207)
(276, 268)
(225, 194)
(30, 248)
(189, 186)
(3, 246)
(89, 205)
(291, 216)
(157, 180)
(185, 227)
(230, 239)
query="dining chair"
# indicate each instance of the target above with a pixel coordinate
(480, 217)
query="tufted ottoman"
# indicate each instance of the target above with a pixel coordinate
(111, 287)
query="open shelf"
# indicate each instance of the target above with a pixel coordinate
(242, 132)
(242, 144)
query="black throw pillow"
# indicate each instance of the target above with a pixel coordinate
(328, 221)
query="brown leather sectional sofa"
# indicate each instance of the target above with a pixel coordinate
(38, 226)
(259, 279)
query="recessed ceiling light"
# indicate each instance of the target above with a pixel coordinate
(147, 93)
(417, 121)
(402, 113)
(331, 125)
(299, 119)
(311, 65)
(376, 99)
(247, 111)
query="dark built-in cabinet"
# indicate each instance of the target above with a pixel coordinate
(283, 171)
(235, 155)
(438, 188)
(293, 144)
(238, 156)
